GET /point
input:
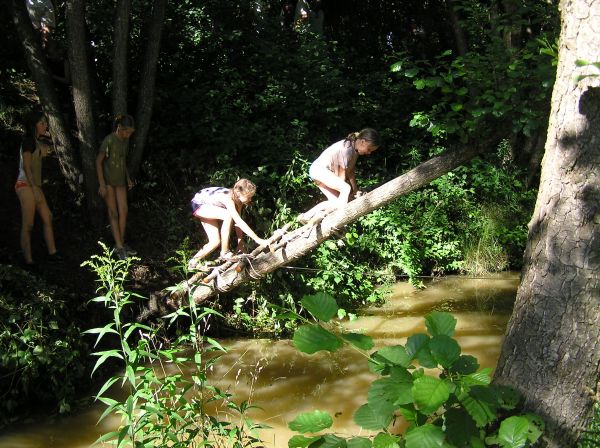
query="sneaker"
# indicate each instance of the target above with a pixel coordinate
(129, 250)
(121, 253)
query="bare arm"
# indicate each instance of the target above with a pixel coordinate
(100, 173)
(351, 177)
(239, 222)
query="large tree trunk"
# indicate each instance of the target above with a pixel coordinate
(119, 76)
(552, 348)
(147, 84)
(457, 30)
(306, 238)
(82, 100)
(46, 92)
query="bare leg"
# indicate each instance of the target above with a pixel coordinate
(123, 210)
(210, 217)
(27, 200)
(46, 215)
(225, 234)
(113, 215)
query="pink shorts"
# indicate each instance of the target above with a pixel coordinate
(21, 184)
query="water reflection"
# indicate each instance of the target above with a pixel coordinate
(273, 375)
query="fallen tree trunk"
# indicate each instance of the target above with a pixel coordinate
(292, 246)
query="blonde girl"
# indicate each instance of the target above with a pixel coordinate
(217, 209)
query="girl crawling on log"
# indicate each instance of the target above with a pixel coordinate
(217, 208)
(333, 171)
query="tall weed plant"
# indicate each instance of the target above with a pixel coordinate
(161, 391)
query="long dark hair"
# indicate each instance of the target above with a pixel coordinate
(370, 135)
(30, 122)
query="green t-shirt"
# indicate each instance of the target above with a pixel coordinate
(115, 160)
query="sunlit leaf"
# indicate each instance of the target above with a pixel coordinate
(312, 338)
(384, 440)
(321, 305)
(513, 432)
(314, 421)
(429, 393)
(361, 341)
(374, 419)
(395, 354)
(394, 391)
(359, 442)
(426, 436)
(439, 323)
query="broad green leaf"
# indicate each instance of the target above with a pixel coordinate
(312, 338)
(384, 440)
(301, 441)
(359, 442)
(460, 427)
(330, 441)
(426, 436)
(429, 393)
(482, 411)
(425, 357)
(321, 305)
(465, 365)
(369, 418)
(456, 107)
(439, 323)
(314, 421)
(361, 341)
(411, 72)
(394, 391)
(445, 350)
(536, 427)
(414, 343)
(395, 354)
(513, 432)
(481, 378)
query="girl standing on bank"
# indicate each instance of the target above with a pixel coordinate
(114, 181)
(35, 146)
(333, 170)
(217, 208)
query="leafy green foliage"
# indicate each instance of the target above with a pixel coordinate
(162, 406)
(42, 356)
(459, 408)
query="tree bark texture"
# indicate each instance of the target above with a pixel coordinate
(82, 100)
(48, 96)
(457, 30)
(119, 68)
(267, 262)
(147, 84)
(552, 348)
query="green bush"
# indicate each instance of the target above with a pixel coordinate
(459, 408)
(42, 356)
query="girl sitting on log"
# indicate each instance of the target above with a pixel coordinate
(333, 170)
(217, 208)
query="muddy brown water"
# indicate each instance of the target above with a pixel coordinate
(284, 382)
